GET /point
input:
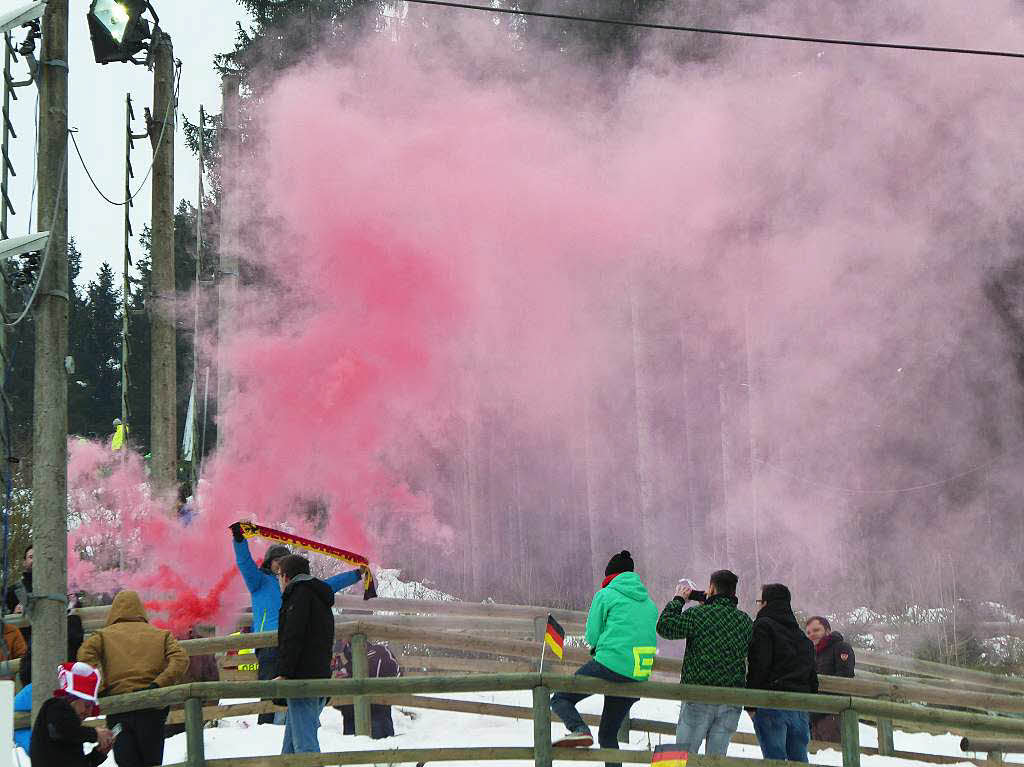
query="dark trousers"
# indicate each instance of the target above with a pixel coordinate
(826, 727)
(267, 658)
(381, 724)
(141, 742)
(614, 713)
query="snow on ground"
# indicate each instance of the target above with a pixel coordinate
(423, 728)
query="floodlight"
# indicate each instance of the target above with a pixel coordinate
(118, 30)
(23, 13)
(19, 246)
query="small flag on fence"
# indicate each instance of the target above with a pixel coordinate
(554, 637)
(669, 756)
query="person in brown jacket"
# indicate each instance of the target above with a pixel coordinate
(134, 655)
(14, 644)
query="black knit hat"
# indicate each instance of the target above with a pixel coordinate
(274, 552)
(620, 563)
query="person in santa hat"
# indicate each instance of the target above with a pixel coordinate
(59, 737)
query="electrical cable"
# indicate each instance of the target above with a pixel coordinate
(173, 105)
(889, 491)
(35, 173)
(722, 32)
(49, 244)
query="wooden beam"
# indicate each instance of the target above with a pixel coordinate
(541, 726)
(196, 755)
(360, 670)
(1002, 745)
(386, 755)
(850, 731)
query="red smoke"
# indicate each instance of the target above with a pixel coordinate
(566, 322)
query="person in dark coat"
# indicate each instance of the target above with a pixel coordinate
(76, 631)
(781, 658)
(58, 736)
(18, 594)
(305, 638)
(835, 657)
(382, 663)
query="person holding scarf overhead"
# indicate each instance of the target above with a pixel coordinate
(265, 591)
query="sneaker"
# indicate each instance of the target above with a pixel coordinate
(581, 739)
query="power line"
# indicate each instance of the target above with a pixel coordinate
(886, 491)
(172, 105)
(722, 32)
(49, 245)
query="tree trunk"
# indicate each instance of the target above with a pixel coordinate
(641, 400)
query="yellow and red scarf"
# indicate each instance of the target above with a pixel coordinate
(252, 530)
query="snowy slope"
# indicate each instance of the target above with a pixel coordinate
(419, 728)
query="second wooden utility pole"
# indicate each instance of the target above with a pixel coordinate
(163, 361)
(48, 606)
(227, 271)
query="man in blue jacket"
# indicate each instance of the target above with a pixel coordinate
(266, 597)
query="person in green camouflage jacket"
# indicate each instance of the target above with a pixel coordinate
(717, 636)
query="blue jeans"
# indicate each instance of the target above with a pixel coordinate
(715, 722)
(615, 709)
(301, 725)
(782, 734)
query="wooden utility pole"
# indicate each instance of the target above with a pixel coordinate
(227, 271)
(50, 409)
(163, 360)
(197, 295)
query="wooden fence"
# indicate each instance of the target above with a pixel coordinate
(849, 709)
(450, 638)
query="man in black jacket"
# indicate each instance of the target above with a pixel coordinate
(58, 735)
(780, 658)
(305, 638)
(835, 657)
(382, 663)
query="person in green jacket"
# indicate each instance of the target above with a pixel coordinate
(621, 634)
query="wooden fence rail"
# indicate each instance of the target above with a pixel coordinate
(849, 708)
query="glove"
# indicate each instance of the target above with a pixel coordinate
(236, 531)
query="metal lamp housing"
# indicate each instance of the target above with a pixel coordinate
(117, 29)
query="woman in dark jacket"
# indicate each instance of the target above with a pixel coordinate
(835, 657)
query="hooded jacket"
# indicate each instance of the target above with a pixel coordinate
(621, 627)
(835, 656)
(131, 654)
(266, 591)
(781, 657)
(305, 632)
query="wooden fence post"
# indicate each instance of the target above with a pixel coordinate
(886, 745)
(540, 628)
(196, 754)
(361, 670)
(850, 728)
(542, 727)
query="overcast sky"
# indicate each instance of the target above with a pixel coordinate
(199, 29)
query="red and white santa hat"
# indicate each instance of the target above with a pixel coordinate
(81, 681)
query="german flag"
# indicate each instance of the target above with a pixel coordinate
(554, 636)
(669, 756)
